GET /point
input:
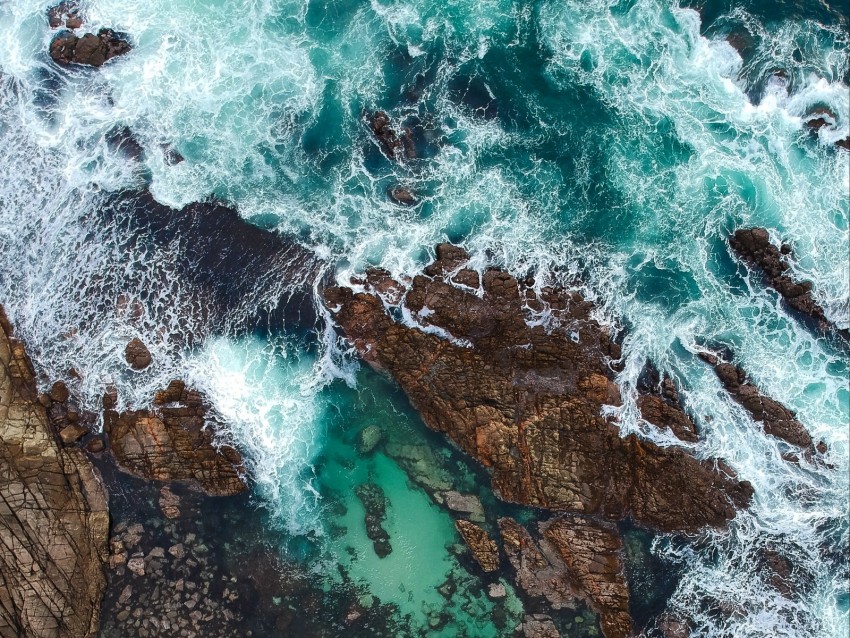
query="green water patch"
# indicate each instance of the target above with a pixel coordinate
(427, 575)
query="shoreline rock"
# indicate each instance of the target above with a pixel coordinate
(54, 518)
(174, 440)
(88, 50)
(484, 549)
(527, 403)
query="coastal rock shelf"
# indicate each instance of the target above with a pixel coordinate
(54, 520)
(527, 403)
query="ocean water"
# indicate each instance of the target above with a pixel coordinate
(613, 144)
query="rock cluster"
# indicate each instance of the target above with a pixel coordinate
(174, 440)
(659, 404)
(527, 402)
(54, 518)
(753, 246)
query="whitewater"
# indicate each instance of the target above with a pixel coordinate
(610, 145)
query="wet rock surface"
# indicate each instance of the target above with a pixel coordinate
(174, 440)
(395, 142)
(777, 420)
(53, 514)
(659, 404)
(527, 403)
(754, 247)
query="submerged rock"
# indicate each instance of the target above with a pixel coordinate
(174, 440)
(54, 520)
(89, 49)
(484, 549)
(527, 403)
(395, 145)
(369, 438)
(402, 196)
(375, 503)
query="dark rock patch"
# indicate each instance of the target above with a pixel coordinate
(375, 503)
(90, 49)
(137, 354)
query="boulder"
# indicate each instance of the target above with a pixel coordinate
(484, 549)
(401, 196)
(137, 354)
(54, 520)
(90, 49)
(395, 145)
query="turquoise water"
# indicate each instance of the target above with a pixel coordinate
(611, 143)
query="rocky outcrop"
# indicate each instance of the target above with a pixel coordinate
(753, 246)
(65, 14)
(137, 354)
(401, 196)
(539, 626)
(659, 404)
(174, 440)
(375, 504)
(592, 553)
(573, 558)
(54, 519)
(484, 549)
(776, 419)
(526, 402)
(90, 49)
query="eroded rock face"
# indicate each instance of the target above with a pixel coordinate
(484, 549)
(174, 440)
(527, 403)
(753, 246)
(90, 49)
(776, 419)
(54, 519)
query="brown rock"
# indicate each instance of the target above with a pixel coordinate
(539, 626)
(753, 246)
(72, 433)
(776, 419)
(53, 515)
(396, 146)
(169, 503)
(90, 49)
(402, 196)
(527, 402)
(484, 549)
(174, 440)
(95, 445)
(137, 354)
(592, 552)
(59, 392)
(660, 405)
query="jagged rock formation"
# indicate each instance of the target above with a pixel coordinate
(527, 403)
(753, 246)
(174, 440)
(54, 520)
(395, 145)
(484, 549)
(572, 558)
(776, 419)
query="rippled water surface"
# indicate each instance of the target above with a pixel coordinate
(612, 143)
